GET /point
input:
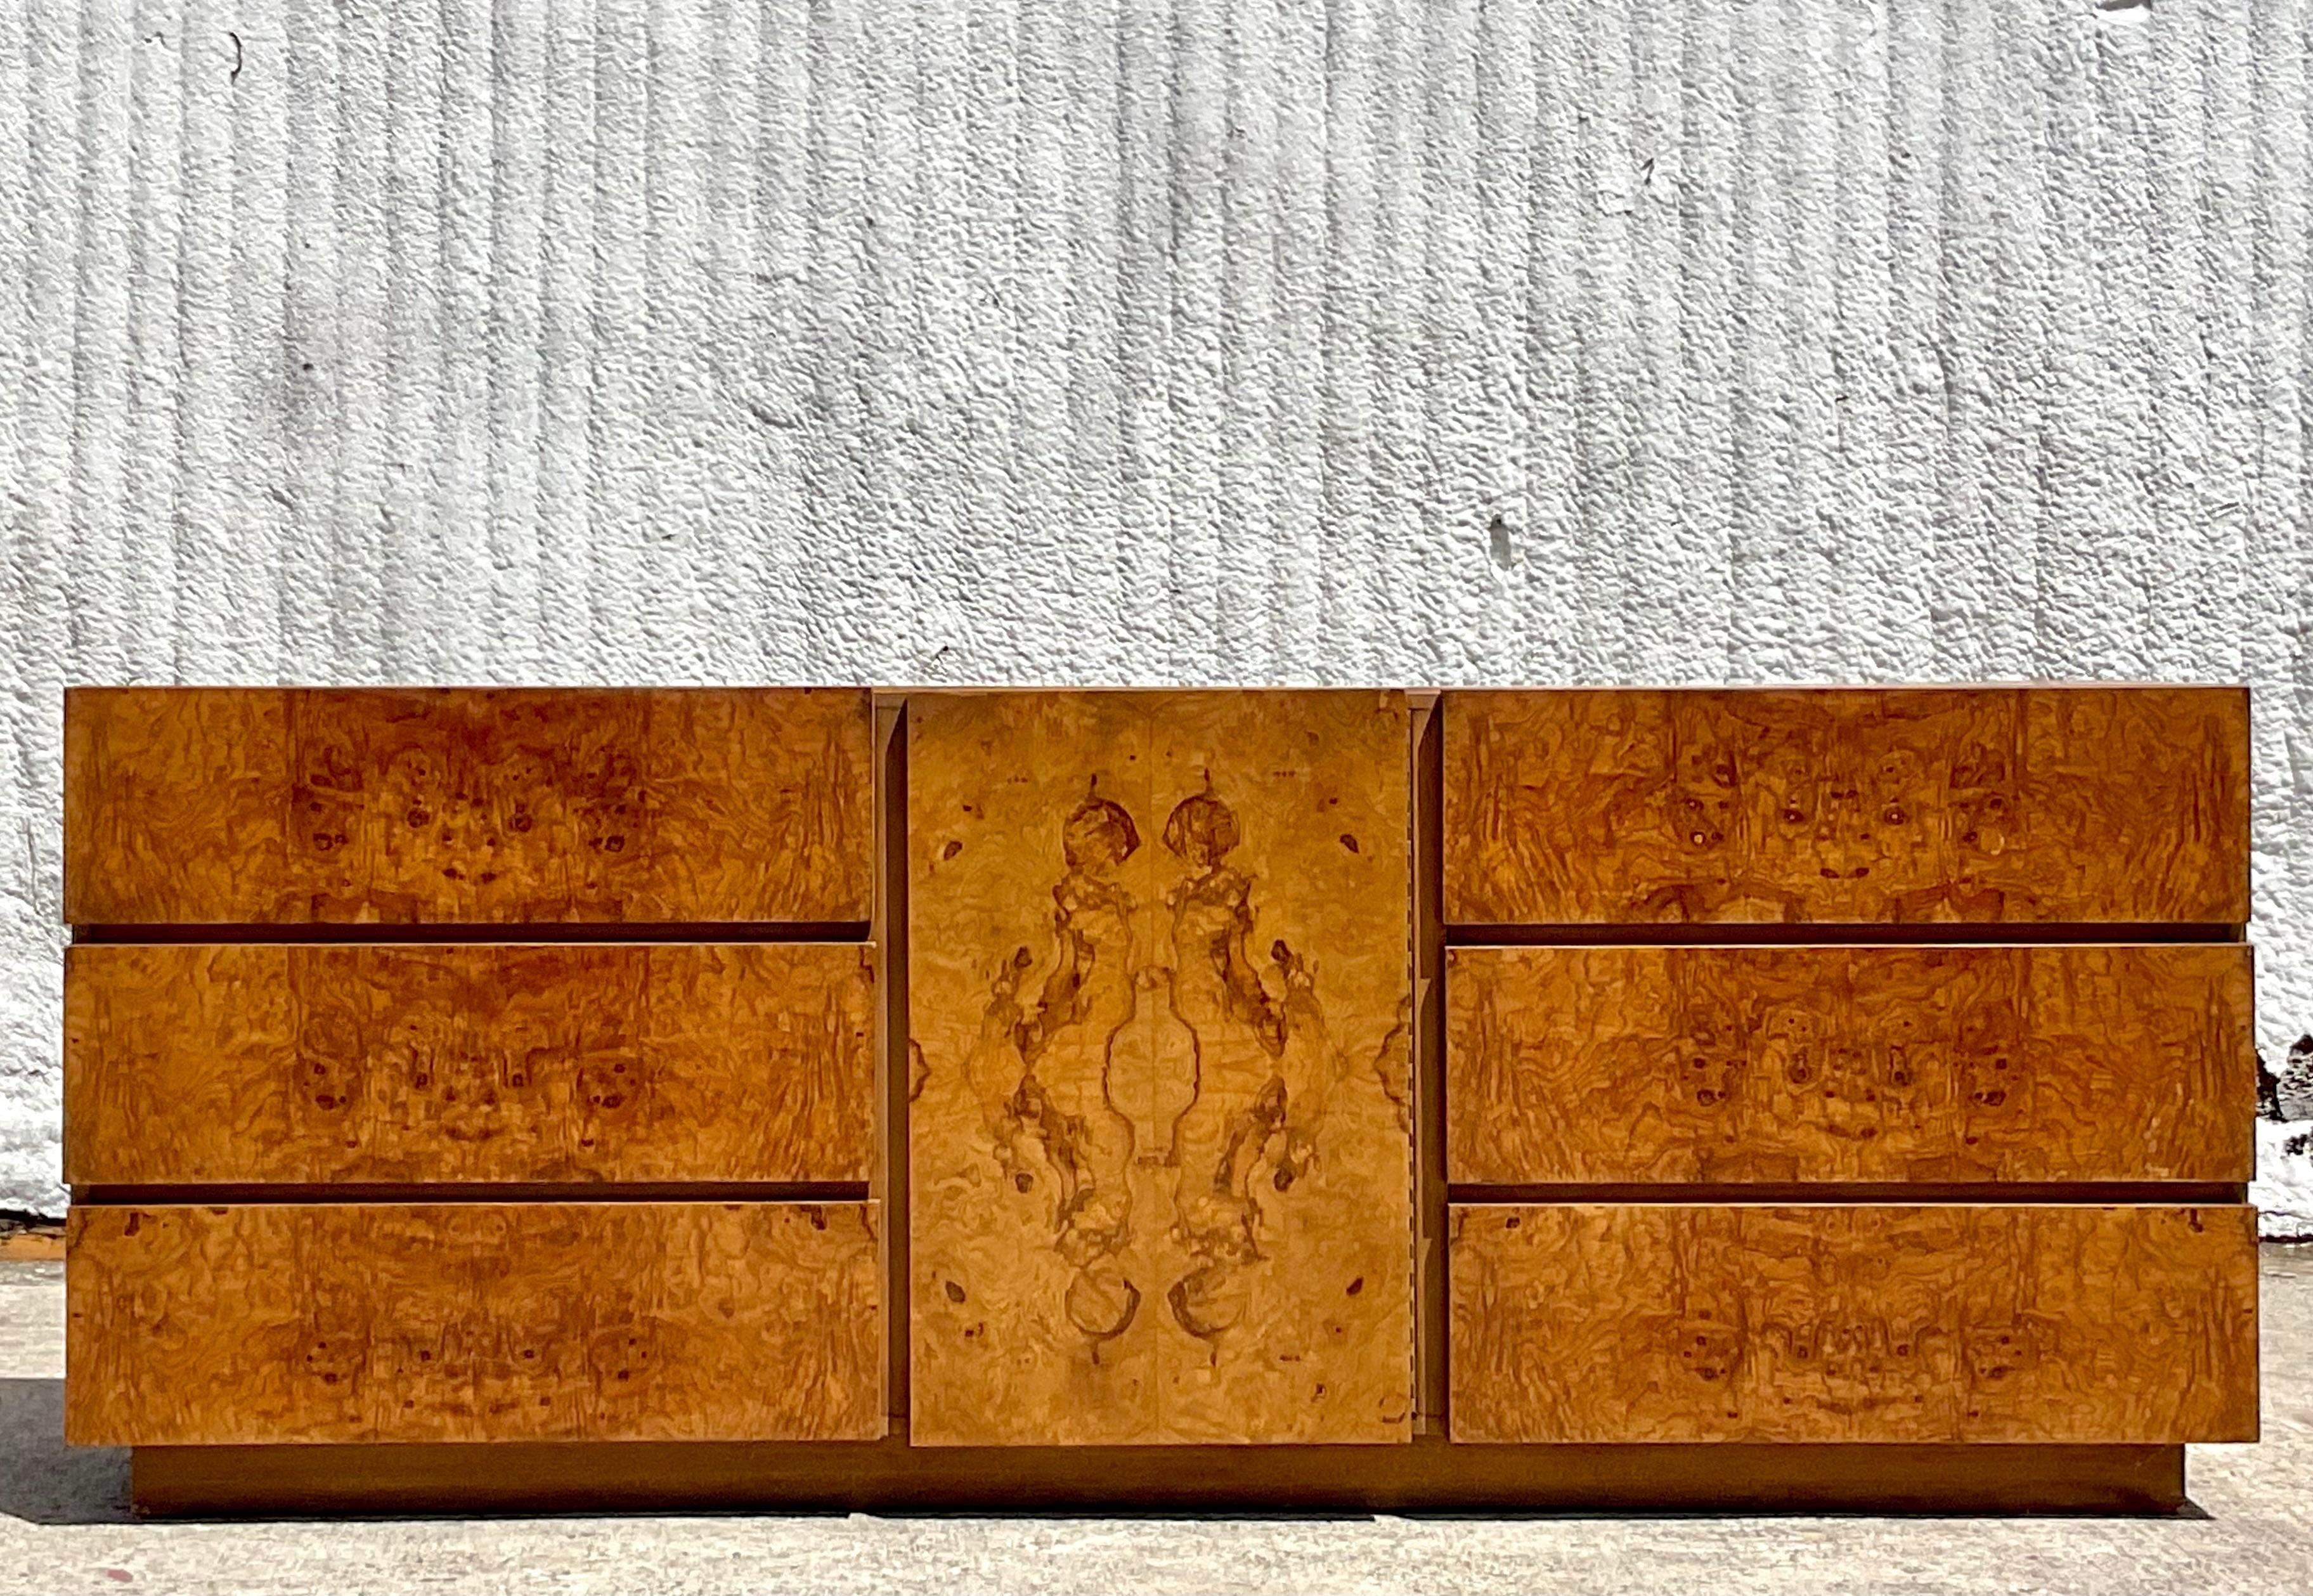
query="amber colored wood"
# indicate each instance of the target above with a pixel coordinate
(889, 1476)
(1942, 1064)
(261, 805)
(1428, 1090)
(465, 1322)
(2044, 804)
(41, 1241)
(891, 1176)
(1950, 1323)
(1159, 1123)
(752, 1061)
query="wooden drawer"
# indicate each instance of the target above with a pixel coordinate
(473, 1321)
(1671, 1322)
(2028, 805)
(281, 806)
(1159, 1133)
(390, 1063)
(1868, 1064)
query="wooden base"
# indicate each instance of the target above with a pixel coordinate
(36, 1243)
(1430, 1475)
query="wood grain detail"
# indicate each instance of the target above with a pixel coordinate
(1637, 806)
(468, 1322)
(400, 1064)
(1668, 1322)
(260, 806)
(1158, 1124)
(1858, 1064)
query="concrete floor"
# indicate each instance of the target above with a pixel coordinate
(64, 1527)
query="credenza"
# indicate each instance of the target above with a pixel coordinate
(614, 1099)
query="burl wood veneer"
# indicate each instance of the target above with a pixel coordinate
(467, 806)
(1952, 1322)
(473, 1321)
(2072, 1064)
(250, 1063)
(1158, 1126)
(2025, 805)
(1153, 1066)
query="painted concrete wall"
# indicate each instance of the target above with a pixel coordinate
(705, 340)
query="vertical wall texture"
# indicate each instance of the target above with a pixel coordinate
(710, 340)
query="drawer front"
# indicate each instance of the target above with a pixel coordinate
(1158, 1139)
(473, 1321)
(2038, 805)
(1671, 1322)
(281, 806)
(1868, 1064)
(246, 1063)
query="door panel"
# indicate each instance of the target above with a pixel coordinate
(1158, 1126)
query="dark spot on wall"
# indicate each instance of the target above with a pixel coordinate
(1498, 543)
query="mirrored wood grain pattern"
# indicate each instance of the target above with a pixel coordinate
(675, 1061)
(1158, 1135)
(473, 1321)
(1869, 1065)
(1952, 1322)
(266, 806)
(2042, 804)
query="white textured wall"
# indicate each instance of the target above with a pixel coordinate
(707, 340)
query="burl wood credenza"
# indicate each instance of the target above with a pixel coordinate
(624, 1098)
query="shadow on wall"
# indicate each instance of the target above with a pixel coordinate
(43, 1481)
(2290, 1094)
(2283, 1189)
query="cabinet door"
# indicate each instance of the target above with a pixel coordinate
(1158, 1129)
